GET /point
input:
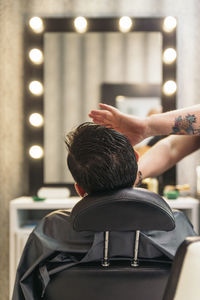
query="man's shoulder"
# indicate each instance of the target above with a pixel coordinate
(54, 224)
(61, 214)
(183, 227)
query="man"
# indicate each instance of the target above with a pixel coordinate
(183, 126)
(100, 159)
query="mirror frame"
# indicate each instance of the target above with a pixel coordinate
(32, 103)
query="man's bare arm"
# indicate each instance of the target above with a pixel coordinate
(166, 153)
(178, 122)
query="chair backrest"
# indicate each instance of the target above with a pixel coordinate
(119, 281)
(184, 282)
(122, 210)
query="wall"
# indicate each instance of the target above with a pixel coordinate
(12, 168)
(12, 181)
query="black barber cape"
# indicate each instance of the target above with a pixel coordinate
(54, 245)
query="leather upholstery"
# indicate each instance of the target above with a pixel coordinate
(122, 210)
(118, 282)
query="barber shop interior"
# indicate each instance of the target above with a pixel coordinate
(99, 155)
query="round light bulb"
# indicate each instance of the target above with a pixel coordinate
(36, 24)
(169, 55)
(36, 120)
(36, 152)
(36, 56)
(169, 24)
(169, 88)
(36, 88)
(125, 24)
(80, 24)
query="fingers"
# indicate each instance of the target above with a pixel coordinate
(107, 107)
(104, 110)
(101, 117)
(95, 113)
(107, 111)
(101, 122)
(104, 115)
(98, 120)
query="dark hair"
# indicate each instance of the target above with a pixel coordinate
(100, 158)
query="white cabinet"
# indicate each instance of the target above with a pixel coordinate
(190, 206)
(25, 214)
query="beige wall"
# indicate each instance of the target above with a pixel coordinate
(12, 181)
(12, 169)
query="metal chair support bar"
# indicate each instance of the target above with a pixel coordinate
(135, 263)
(105, 262)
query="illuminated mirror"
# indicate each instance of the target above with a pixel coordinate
(77, 74)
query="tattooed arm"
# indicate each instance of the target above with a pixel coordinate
(179, 122)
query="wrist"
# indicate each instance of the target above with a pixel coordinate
(150, 126)
(159, 124)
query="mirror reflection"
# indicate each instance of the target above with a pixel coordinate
(76, 66)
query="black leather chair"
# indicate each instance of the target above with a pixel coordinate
(125, 278)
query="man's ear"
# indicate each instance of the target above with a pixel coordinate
(79, 190)
(136, 155)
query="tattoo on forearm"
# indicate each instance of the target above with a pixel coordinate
(184, 125)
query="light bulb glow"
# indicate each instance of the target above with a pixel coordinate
(169, 55)
(120, 98)
(80, 24)
(36, 152)
(125, 24)
(169, 88)
(36, 88)
(169, 24)
(36, 120)
(36, 56)
(36, 24)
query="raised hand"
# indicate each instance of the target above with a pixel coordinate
(134, 128)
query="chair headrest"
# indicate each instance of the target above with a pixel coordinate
(122, 210)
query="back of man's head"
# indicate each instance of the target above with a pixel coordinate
(100, 159)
